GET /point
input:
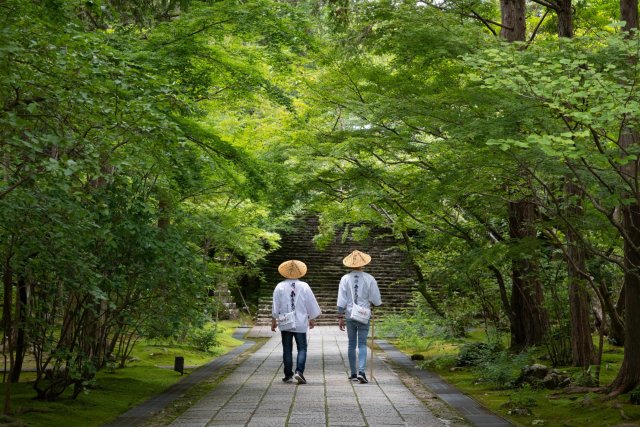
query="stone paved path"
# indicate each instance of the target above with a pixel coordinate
(254, 394)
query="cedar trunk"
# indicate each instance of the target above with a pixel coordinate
(629, 14)
(529, 319)
(565, 18)
(629, 374)
(582, 350)
(581, 342)
(513, 20)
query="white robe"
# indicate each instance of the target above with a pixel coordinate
(368, 291)
(307, 307)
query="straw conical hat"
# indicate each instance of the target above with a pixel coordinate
(356, 259)
(293, 269)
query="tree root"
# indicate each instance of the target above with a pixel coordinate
(575, 390)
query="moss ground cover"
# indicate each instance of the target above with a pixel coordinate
(547, 407)
(116, 390)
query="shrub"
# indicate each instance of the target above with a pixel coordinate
(584, 378)
(558, 343)
(522, 398)
(475, 353)
(634, 396)
(204, 339)
(504, 370)
(416, 329)
(439, 362)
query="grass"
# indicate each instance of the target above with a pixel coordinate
(117, 391)
(551, 407)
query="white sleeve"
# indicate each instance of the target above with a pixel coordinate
(343, 299)
(374, 293)
(311, 304)
(276, 303)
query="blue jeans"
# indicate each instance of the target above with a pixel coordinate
(287, 351)
(357, 333)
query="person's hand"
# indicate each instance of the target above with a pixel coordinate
(273, 325)
(341, 323)
(312, 323)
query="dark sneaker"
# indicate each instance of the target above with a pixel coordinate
(300, 378)
(353, 377)
(287, 379)
(362, 378)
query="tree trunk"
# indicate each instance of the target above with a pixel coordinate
(164, 219)
(616, 333)
(504, 298)
(582, 350)
(422, 283)
(103, 329)
(629, 374)
(581, 342)
(565, 18)
(7, 342)
(629, 14)
(89, 336)
(530, 321)
(615, 330)
(513, 20)
(21, 320)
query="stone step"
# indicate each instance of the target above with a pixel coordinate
(395, 278)
(323, 319)
(387, 300)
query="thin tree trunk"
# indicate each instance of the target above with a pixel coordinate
(21, 319)
(422, 283)
(504, 298)
(616, 332)
(7, 279)
(164, 219)
(616, 324)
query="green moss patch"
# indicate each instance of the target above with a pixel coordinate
(529, 406)
(116, 391)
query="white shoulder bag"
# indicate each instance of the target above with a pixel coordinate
(359, 313)
(287, 321)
